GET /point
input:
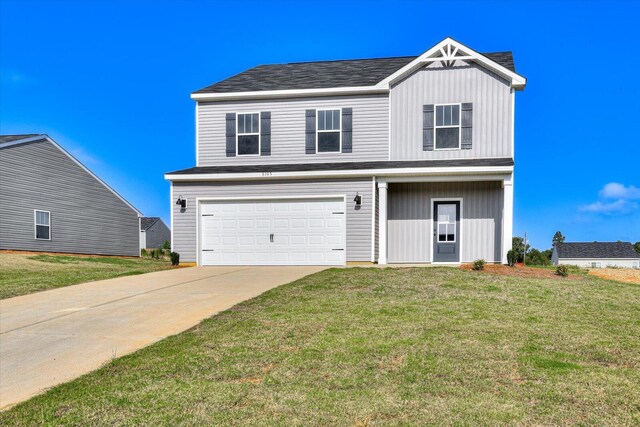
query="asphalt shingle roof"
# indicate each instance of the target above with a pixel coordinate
(10, 138)
(147, 221)
(596, 250)
(324, 74)
(303, 167)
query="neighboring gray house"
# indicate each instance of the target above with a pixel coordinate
(53, 203)
(153, 233)
(389, 160)
(596, 254)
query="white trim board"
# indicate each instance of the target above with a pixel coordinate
(389, 172)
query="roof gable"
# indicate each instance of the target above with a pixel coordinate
(7, 141)
(349, 76)
(449, 52)
(612, 250)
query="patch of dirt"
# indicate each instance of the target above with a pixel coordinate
(520, 271)
(627, 275)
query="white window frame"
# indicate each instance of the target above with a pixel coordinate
(436, 127)
(249, 134)
(35, 224)
(318, 131)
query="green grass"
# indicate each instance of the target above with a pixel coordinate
(437, 346)
(23, 274)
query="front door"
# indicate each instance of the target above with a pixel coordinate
(446, 231)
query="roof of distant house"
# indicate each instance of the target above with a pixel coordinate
(147, 222)
(596, 250)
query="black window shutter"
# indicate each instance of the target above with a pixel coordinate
(427, 127)
(467, 123)
(310, 135)
(231, 134)
(347, 144)
(265, 133)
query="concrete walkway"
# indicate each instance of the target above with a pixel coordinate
(51, 337)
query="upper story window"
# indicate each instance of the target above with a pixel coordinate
(329, 131)
(248, 136)
(447, 135)
(42, 221)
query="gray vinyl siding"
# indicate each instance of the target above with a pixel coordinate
(86, 217)
(409, 220)
(370, 134)
(491, 98)
(358, 220)
(156, 235)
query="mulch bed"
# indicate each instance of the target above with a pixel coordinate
(520, 271)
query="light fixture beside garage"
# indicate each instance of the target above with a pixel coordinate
(358, 199)
(182, 202)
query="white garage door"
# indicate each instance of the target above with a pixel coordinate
(273, 232)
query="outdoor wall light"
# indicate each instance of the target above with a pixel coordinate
(358, 199)
(182, 202)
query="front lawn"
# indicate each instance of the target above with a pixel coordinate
(365, 346)
(26, 273)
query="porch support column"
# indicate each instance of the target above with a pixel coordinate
(507, 216)
(382, 221)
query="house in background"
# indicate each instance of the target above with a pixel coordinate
(596, 254)
(153, 232)
(52, 203)
(387, 160)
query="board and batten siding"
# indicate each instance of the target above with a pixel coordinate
(409, 220)
(370, 130)
(492, 105)
(86, 217)
(358, 219)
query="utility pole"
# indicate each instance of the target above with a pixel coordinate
(524, 257)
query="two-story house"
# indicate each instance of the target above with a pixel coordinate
(389, 160)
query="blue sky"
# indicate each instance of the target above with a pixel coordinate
(110, 81)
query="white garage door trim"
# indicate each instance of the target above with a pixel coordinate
(201, 200)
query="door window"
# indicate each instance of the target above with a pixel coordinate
(446, 223)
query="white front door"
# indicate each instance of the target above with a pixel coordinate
(273, 232)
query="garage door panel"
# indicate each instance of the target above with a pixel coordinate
(273, 232)
(281, 223)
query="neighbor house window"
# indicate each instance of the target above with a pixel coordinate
(248, 134)
(43, 225)
(328, 131)
(447, 127)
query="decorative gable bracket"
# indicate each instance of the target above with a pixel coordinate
(447, 53)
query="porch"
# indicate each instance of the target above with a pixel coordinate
(443, 219)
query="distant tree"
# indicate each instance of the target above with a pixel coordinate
(517, 244)
(636, 246)
(166, 245)
(557, 238)
(536, 257)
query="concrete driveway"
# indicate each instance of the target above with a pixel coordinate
(54, 336)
